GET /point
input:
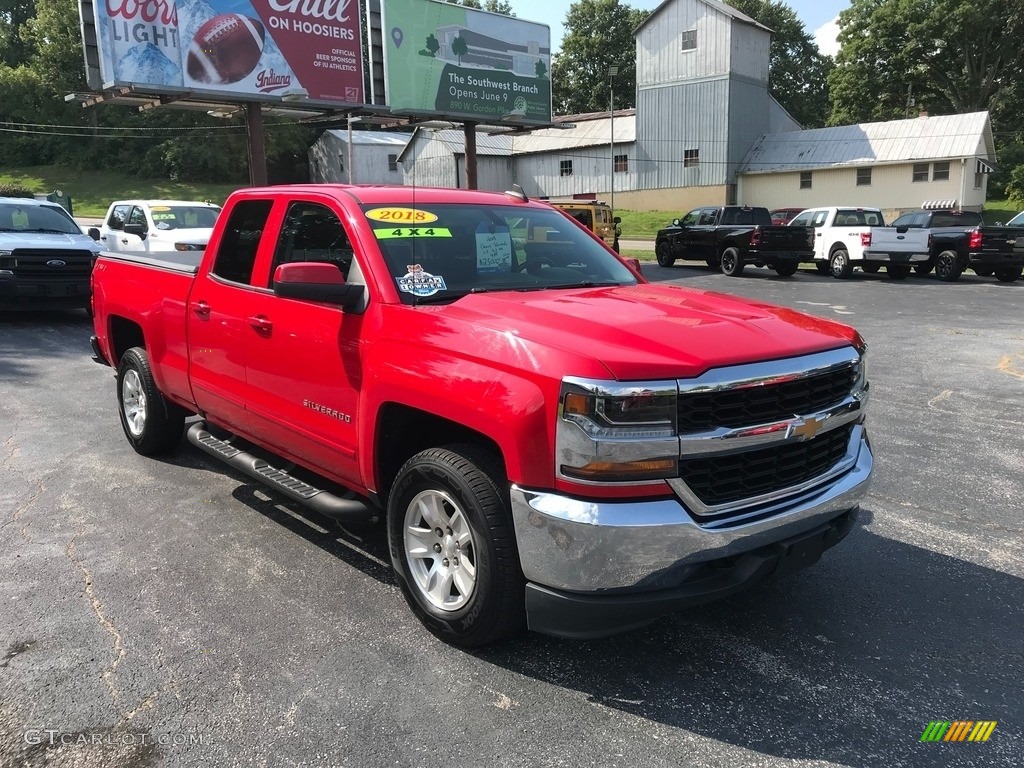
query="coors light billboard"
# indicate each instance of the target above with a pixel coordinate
(306, 48)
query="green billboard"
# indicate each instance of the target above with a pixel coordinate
(466, 65)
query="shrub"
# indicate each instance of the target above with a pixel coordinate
(15, 190)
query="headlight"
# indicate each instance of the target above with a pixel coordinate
(862, 369)
(612, 432)
(190, 246)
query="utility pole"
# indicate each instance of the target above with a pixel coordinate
(613, 70)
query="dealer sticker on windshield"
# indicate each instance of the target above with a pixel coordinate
(398, 232)
(419, 282)
(401, 215)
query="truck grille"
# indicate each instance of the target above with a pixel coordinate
(733, 477)
(31, 264)
(749, 406)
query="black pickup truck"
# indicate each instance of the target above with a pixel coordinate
(959, 239)
(731, 237)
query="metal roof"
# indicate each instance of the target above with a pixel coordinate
(372, 137)
(728, 10)
(486, 144)
(895, 141)
(590, 131)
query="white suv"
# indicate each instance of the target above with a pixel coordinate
(156, 225)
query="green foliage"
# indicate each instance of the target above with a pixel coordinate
(13, 14)
(432, 45)
(541, 69)
(950, 56)
(460, 47)
(598, 34)
(10, 189)
(494, 6)
(798, 74)
(644, 225)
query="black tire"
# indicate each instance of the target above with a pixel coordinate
(839, 264)
(871, 268)
(822, 267)
(732, 262)
(787, 269)
(464, 489)
(926, 268)
(898, 271)
(983, 271)
(947, 267)
(664, 253)
(152, 424)
(1008, 274)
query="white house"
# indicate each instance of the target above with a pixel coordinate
(934, 162)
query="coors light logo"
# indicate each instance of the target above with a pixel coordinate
(144, 41)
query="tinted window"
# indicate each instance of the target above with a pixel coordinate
(691, 218)
(965, 219)
(709, 217)
(117, 216)
(236, 253)
(801, 220)
(906, 220)
(313, 232)
(747, 216)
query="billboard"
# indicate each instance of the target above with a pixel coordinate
(464, 64)
(309, 50)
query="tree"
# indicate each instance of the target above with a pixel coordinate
(944, 56)
(598, 34)
(432, 45)
(798, 74)
(494, 6)
(13, 15)
(460, 47)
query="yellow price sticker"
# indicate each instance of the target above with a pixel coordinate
(398, 232)
(401, 215)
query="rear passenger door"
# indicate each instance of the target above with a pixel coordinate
(304, 359)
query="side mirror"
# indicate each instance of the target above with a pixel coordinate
(676, 223)
(139, 230)
(617, 220)
(94, 233)
(316, 281)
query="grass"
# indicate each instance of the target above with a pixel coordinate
(92, 192)
(644, 225)
(1000, 210)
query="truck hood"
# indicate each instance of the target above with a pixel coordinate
(11, 240)
(653, 331)
(164, 239)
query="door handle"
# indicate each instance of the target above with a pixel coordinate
(124, 240)
(261, 323)
(202, 309)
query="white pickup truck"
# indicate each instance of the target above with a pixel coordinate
(848, 237)
(156, 226)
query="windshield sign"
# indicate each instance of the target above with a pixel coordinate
(184, 217)
(443, 252)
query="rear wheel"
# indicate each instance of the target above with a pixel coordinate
(898, 271)
(453, 547)
(983, 271)
(947, 266)
(732, 262)
(839, 264)
(151, 423)
(1009, 274)
(664, 253)
(787, 269)
(871, 268)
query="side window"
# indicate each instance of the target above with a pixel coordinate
(802, 220)
(118, 216)
(691, 218)
(313, 232)
(709, 217)
(819, 218)
(236, 253)
(907, 220)
(138, 216)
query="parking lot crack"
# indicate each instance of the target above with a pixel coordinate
(105, 622)
(20, 509)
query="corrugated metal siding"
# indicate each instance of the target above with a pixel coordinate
(898, 140)
(428, 163)
(748, 120)
(329, 155)
(539, 175)
(779, 120)
(751, 52)
(493, 173)
(891, 188)
(659, 58)
(686, 116)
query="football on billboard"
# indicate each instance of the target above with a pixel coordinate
(225, 49)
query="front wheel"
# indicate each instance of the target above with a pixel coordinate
(1009, 274)
(732, 262)
(664, 253)
(786, 269)
(947, 266)
(453, 547)
(151, 423)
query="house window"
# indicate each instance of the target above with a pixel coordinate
(940, 171)
(688, 41)
(920, 172)
(565, 167)
(392, 162)
(621, 163)
(863, 177)
(979, 179)
(341, 163)
(691, 158)
(805, 179)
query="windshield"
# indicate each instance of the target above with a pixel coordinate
(439, 253)
(36, 218)
(183, 216)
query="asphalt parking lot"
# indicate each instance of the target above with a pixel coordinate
(169, 612)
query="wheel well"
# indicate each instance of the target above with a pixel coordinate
(124, 334)
(837, 247)
(403, 432)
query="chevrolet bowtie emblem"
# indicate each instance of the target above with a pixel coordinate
(805, 429)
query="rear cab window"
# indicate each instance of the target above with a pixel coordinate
(240, 241)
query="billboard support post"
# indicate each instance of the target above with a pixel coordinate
(257, 146)
(469, 131)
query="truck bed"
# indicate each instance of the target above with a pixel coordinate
(186, 262)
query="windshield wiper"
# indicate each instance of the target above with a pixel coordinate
(44, 230)
(437, 298)
(584, 284)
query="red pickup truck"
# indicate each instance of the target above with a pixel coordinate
(552, 441)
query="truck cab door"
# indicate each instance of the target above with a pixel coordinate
(686, 239)
(136, 229)
(219, 307)
(113, 227)
(705, 242)
(303, 358)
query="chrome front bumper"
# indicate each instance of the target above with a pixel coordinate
(623, 548)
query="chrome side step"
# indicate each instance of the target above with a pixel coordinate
(326, 503)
